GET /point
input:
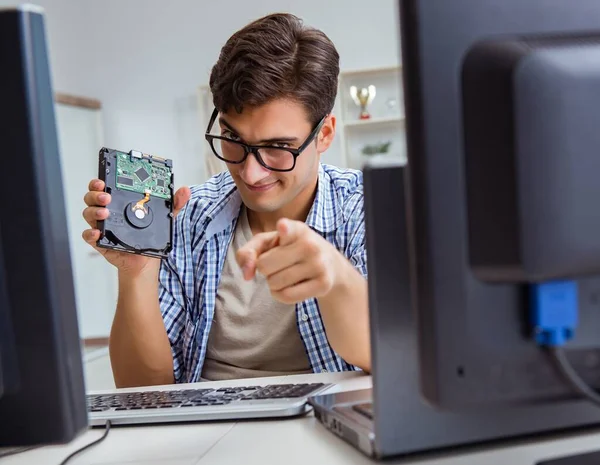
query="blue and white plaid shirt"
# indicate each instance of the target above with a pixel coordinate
(189, 277)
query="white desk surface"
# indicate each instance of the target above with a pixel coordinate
(301, 441)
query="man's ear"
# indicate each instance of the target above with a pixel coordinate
(325, 136)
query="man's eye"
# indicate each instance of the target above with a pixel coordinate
(283, 145)
(230, 135)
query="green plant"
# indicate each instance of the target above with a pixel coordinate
(373, 149)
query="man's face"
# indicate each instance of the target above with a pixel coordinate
(280, 123)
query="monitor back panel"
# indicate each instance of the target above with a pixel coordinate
(475, 341)
(48, 404)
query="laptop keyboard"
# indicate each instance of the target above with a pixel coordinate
(196, 397)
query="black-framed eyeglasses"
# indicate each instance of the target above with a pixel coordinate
(269, 156)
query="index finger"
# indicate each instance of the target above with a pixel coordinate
(247, 255)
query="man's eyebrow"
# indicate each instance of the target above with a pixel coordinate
(271, 140)
(229, 126)
(278, 139)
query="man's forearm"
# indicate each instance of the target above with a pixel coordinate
(140, 351)
(345, 313)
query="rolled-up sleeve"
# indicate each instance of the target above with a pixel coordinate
(172, 307)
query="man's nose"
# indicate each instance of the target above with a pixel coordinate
(252, 170)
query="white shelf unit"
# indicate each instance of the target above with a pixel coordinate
(386, 122)
(373, 122)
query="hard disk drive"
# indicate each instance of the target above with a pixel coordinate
(140, 216)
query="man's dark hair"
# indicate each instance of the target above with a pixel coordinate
(277, 56)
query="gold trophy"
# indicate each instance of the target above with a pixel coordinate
(363, 97)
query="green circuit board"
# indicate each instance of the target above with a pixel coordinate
(142, 173)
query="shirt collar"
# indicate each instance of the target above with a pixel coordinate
(324, 216)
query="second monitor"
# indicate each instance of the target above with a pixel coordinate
(477, 345)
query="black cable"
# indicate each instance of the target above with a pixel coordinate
(570, 375)
(87, 446)
(113, 238)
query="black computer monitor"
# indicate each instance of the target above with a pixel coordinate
(502, 130)
(42, 395)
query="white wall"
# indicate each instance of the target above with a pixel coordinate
(95, 280)
(145, 59)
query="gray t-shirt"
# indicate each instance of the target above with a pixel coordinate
(252, 334)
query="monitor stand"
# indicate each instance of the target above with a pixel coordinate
(591, 458)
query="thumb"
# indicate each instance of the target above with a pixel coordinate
(288, 231)
(182, 195)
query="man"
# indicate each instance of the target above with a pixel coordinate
(268, 270)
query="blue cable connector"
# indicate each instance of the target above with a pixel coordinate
(554, 312)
